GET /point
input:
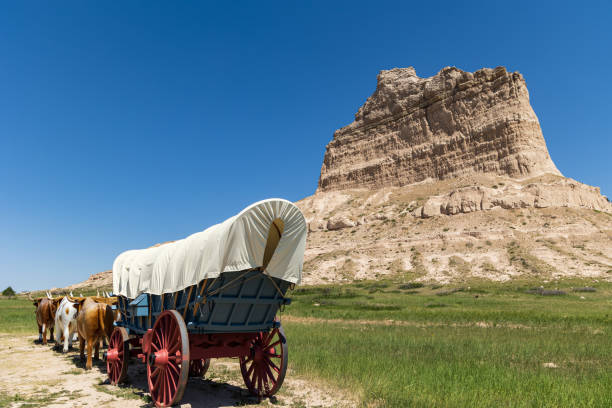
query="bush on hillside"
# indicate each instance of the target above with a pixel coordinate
(8, 292)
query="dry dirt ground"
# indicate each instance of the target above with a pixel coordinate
(34, 375)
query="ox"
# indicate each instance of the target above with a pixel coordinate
(94, 323)
(65, 321)
(45, 316)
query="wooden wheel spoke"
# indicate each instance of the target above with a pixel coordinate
(175, 347)
(158, 376)
(276, 343)
(250, 370)
(174, 368)
(273, 334)
(163, 386)
(271, 363)
(254, 375)
(159, 341)
(167, 383)
(259, 379)
(264, 380)
(269, 372)
(172, 376)
(163, 334)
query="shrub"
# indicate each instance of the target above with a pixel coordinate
(8, 292)
(546, 292)
(411, 285)
(432, 305)
(585, 289)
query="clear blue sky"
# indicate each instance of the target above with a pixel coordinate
(124, 124)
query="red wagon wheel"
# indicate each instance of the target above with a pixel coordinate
(168, 359)
(117, 355)
(264, 368)
(197, 368)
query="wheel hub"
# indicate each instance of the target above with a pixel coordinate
(159, 359)
(259, 354)
(112, 355)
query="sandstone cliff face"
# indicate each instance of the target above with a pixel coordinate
(452, 124)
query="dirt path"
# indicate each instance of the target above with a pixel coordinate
(34, 375)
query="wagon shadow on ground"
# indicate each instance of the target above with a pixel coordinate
(200, 392)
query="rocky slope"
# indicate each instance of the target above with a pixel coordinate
(453, 124)
(376, 233)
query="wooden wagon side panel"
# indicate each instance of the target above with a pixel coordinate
(239, 302)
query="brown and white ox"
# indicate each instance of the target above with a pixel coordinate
(65, 321)
(94, 323)
(45, 316)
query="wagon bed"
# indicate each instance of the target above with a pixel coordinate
(245, 301)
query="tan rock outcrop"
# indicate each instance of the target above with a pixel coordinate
(562, 193)
(452, 124)
(339, 222)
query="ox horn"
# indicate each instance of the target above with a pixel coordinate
(71, 295)
(49, 295)
(81, 294)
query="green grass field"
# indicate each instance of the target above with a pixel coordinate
(481, 345)
(485, 345)
(17, 316)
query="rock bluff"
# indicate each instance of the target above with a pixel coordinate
(452, 124)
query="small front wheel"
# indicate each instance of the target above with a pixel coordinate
(197, 368)
(263, 370)
(117, 356)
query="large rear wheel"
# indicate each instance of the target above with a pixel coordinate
(168, 359)
(263, 370)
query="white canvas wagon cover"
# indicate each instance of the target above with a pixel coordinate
(245, 241)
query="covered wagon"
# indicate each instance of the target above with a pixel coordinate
(216, 293)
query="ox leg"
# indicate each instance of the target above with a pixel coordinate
(82, 348)
(39, 333)
(58, 334)
(51, 334)
(67, 340)
(44, 333)
(97, 347)
(89, 350)
(70, 335)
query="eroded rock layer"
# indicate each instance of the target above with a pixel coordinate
(449, 125)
